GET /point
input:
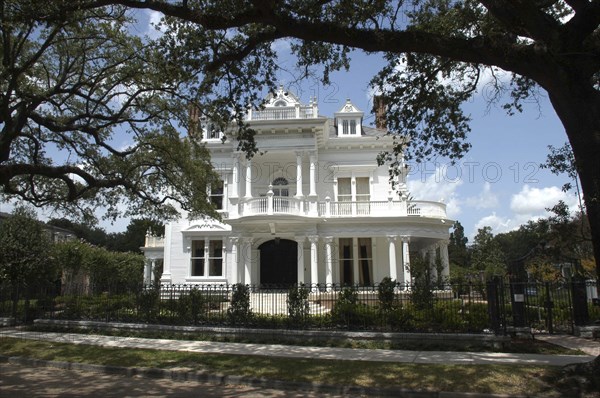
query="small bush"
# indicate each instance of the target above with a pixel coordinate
(147, 303)
(239, 311)
(298, 306)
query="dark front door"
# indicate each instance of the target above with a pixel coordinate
(279, 262)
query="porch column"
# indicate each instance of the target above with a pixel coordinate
(147, 271)
(299, 193)
(392, 257)
(248, 194)
(314, 257)
(406, 260)
(445, 261)
(233, 261)
(247, 253)
(432, 263)
(313, 174)
(152, 268)
(166, 276)
(328, 261)
(234, 192)
(300, 259)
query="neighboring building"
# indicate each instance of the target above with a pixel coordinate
(313, 207)
(56, 234)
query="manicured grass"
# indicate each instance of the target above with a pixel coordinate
(507, 379)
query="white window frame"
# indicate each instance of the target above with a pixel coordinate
(208, 259)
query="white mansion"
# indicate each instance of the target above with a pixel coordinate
(314, 207)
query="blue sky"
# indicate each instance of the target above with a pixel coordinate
(498, 183)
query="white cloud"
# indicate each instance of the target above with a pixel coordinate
(497, 223)
(529, 204)
(485, 200)
(437, 188)
(535, 201)
(154, 18)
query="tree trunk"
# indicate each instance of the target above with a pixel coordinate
(578, 106)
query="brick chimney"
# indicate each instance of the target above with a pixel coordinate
(193, 128)
(380, 110)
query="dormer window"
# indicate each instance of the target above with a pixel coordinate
(211, 131)
(348, 120)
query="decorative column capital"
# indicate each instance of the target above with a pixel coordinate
(300, 239)
(313, 238)
(405, 238)
(392, 238)
(328, 239)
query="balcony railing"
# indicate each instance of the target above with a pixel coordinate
(271, 205)
(283, 113)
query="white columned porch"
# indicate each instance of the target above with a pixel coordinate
(392, 257)
(247, 253)
(300, 259)
(432, 263)
(313, 174)
(328, 261)
(299, 193)
(234, 192)
(166, 276)
(312, 194)
(406, 260)
(314, 257)
(233, 261)
(147, 271)
(248, 194)
(445, 260)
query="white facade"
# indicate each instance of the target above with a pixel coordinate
(314, 207)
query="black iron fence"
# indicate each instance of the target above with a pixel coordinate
(496, 306)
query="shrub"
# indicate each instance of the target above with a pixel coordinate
(147, 303)
(298, 307)
(239, 311)
(386, 294)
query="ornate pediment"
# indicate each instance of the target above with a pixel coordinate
(206, 226)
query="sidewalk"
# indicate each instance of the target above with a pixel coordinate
(590, 347)
(376, 355)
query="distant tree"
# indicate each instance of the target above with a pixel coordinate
(457, 246)
(487, 257)
(94, 235)
(134, 236)
(25, 261)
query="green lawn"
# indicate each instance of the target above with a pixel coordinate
(507, 379)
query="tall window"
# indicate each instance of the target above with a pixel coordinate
(365, 261)
(353, 127)
(345, 127)
(344, 187)
(197, 258)
(216, 194)
(215, 259)
(346, 261)
(207, 258)
(363, 195)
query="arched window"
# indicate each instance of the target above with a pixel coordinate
(280, 103)
(280, 187)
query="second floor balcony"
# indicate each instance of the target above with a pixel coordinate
(274, 205)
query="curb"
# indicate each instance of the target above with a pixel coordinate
(216, 379)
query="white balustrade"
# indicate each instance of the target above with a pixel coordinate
(293, 206)
(282, 113)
